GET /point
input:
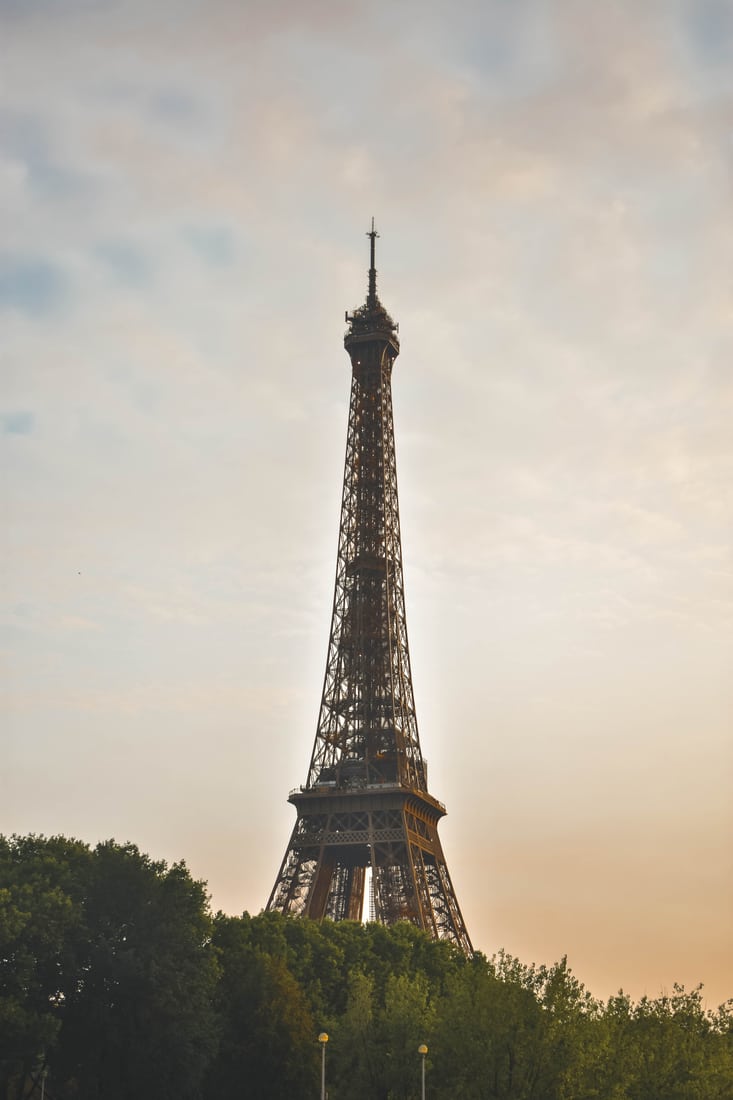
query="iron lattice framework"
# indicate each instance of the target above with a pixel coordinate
(365, 805)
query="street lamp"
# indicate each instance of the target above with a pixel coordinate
(323, 1039)
(422, 1051)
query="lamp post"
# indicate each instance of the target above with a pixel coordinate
(323, 1039)
(422, 1051)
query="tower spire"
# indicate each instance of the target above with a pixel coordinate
(366, 820)
(372, 296)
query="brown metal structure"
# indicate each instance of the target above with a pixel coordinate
(365, 810)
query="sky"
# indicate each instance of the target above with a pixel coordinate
(185, 190)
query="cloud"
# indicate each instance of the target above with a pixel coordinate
(29, 141)
(710, 23)
(32, 285)
(126, 261)
(215, 244)
(21, 422)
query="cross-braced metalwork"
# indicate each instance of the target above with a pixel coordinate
(365, 805)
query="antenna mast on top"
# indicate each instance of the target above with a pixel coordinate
(372, 297)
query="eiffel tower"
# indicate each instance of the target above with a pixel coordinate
(365, 816)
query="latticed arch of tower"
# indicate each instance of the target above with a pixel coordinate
(365, 805)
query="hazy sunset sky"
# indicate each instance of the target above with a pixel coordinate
(185, 189)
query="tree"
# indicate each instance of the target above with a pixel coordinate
(115, 978)
(678, 1049)
(355, 1057)
(41, 937)
(114, 970)
(403, 1024)
(268, 1046)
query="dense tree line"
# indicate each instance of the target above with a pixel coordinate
(117, 983)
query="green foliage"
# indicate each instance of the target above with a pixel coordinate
(115, 977)
(265, 1023)
(41, 930)
(107, 971)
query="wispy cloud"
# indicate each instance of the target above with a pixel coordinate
(21, 422)
(125, 261)
(32, 285)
